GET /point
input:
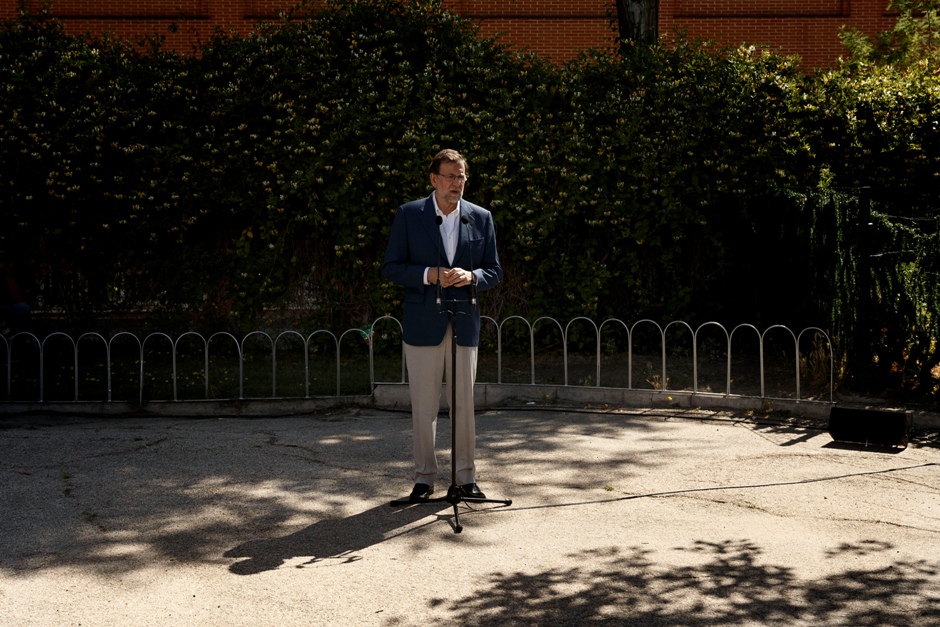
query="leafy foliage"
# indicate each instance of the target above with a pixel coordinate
(914, 39)
(257, 179)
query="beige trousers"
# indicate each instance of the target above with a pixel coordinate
(426, 366)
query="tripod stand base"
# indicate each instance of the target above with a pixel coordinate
(454, 497)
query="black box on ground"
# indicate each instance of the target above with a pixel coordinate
(871, 427)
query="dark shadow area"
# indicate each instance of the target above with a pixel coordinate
(871, 448)
(926, 437)
(333, 538)
(732, 583)
(786, 433)
(114, 495)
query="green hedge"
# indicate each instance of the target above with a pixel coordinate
(265, 170)
(258, 177)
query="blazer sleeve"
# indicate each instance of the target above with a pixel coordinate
(400, 267)
(489, 273)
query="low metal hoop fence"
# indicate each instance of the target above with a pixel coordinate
(31, 375)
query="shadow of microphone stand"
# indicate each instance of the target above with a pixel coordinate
(454, 495)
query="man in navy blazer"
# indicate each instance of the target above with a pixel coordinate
(442, 249)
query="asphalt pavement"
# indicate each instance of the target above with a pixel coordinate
(618, 517)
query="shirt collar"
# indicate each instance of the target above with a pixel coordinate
(437, 210)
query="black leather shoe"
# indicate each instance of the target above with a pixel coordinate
(471, 490)
(421, 492)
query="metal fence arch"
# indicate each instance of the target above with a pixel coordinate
(731, 345)
(499, 347)
(78, 343)
(825, 335)
(695, 346)
(688, 327)
(632, 337)
(385, 318)
(600, 332)
(336, 351)
(280, 336)
(140, 364)
(358, 333)
(42, 356)
(532, 340)
(241, 362)
(239, 352)
(597, 341)
(763, 368)
(205, 352)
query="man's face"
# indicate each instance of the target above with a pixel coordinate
(448, 185)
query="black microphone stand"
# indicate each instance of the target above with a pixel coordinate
(454, 495)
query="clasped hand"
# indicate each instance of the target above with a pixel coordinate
(454, 277)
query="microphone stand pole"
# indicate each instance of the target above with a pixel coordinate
(454, 496)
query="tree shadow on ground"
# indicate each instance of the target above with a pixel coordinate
(734, 585)
(114, 496)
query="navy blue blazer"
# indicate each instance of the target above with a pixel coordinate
(415, 244)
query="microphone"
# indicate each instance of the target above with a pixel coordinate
(439, 221)
(473, 285)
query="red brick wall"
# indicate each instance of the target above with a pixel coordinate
(556, 29)
(809, 28)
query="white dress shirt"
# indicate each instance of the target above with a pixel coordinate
(450, 230)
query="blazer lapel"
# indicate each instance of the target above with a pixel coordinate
(462, 233)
